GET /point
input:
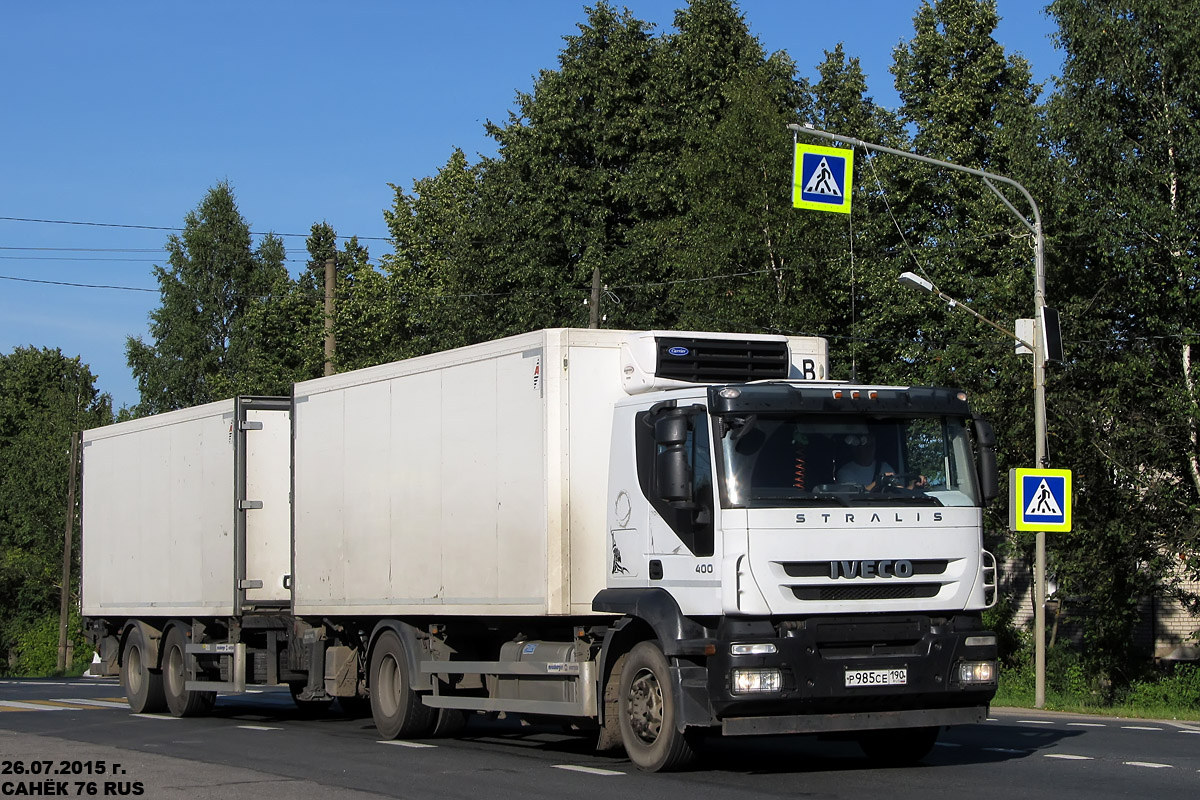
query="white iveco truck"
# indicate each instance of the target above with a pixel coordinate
(659, 535)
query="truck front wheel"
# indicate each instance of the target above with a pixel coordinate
(143, 685)
(180, 701)
(396, 708)
(646, 708)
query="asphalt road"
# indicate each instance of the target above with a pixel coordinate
(77, 737)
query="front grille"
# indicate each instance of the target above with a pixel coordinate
(890, 591)
(721, 360)
(822, 569)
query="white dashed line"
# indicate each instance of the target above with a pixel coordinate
(1035, 722)
(1087, 724)
(259, 728)
(153, 716)
(1148, 764)
(1189, 731)
(588, 770)
(399, 743)
(1139, 728)
(1069, 757)
(1003, 750)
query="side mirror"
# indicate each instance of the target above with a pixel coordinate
(673, 481)
(989, 477)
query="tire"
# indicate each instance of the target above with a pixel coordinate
(395, 707)
(180, 701)
(646, 709)
(449, 722)
(309, 709)
(142, 683)
(898, 747)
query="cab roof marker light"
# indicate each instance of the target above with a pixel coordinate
(874, 395)
(837, 394)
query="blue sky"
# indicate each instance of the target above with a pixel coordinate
(127, 113)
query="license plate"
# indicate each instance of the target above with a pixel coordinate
(876, 677)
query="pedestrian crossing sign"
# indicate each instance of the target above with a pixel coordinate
(1039, 500)
(822, 178)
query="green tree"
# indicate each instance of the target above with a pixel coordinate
(45, 397)
(213, 276)
(1126, 119)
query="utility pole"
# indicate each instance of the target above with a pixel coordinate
(65, 647)
(330, 281)
(1039, 367)
(594, 308)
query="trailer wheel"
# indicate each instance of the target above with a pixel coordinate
(396, 708)
(647, 712)
(898, 747)
(142, 684)
(180, 701)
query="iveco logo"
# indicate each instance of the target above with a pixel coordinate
(871, 569)
(678, 351)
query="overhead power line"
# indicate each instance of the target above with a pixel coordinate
(175, 230)
(78, 285)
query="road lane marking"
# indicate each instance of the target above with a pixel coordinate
(1139, 728)
(91, 702)
(1003, 750)
(588, 770)
(399, 743)
(1148, 764)
(153, 716)
(1189, 731)
(1088, 724)
(17, 705)
(1035, 722)
(259, 728)
(1069, 757)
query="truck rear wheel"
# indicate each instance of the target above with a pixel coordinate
(143, 685)
(180, 701)
(395, 707)
(646, 708)
(898, 747)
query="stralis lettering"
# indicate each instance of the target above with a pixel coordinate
(883, 568)
(850, 517)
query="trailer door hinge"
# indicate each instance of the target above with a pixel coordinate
(246, 505)
(248, 425)
(250, 584)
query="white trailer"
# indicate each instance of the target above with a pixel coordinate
(640, 532)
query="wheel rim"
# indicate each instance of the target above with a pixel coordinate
(646, 706)
(133, 670)
(175, 671)
(389, 685)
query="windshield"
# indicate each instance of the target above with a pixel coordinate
(825, 460)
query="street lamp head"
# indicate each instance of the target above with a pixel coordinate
(915, 281)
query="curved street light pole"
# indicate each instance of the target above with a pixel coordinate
(1039, 364)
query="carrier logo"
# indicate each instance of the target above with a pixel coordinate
(678, 351)
(884, 568)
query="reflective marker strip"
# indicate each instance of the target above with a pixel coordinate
(588, 770)
(399, 743)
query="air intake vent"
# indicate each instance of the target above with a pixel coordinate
(721, 360)
(907, 591)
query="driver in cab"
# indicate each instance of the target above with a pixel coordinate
(867, 471)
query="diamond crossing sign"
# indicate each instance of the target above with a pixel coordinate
(1039, 500)
(822, 178)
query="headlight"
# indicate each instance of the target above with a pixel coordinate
(746, 681)
(977, 672)
(758, 649)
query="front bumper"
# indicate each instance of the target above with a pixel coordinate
(813, 657)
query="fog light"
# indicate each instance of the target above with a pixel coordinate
(757, 649)
(746, 681)
(977, 672)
